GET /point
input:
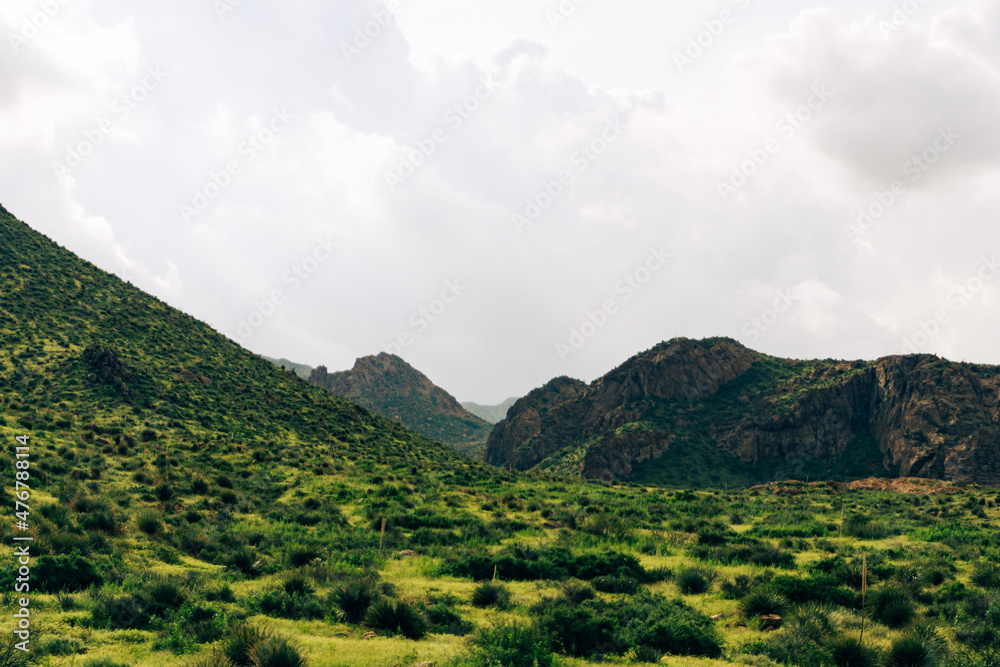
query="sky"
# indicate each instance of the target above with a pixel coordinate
(503, 193)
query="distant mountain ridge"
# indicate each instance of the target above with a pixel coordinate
(490, 413)
(711, 412)
(388, 385)
(302, 370)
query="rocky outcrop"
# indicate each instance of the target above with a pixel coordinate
(386, 384)
(929, 417)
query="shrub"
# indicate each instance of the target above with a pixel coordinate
(669, 626)
(619, 585)
(694, 580)
(228, 497)
(510, 645)
(491, 594)
(199, 486)
(920, 647)
(102, 662)
(763, 600)
(276, 652)
(790, 649)
(297, 585)
(447, 620)
(65, 573)
(164, 492)
(239, 645)
(891, 605)
(164, 597)
(576, 592)
(244, 560)
(986, 575)
(122, 612)
(397, 617)
(813, 620)
(149, 522)
(849, 652)
(352, 600)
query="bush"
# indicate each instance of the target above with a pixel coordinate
(149, 522)
(510, 645)
(239, 645)
(790, 649)
(921, 647)
(762, 601)
(812, 620)
(617, 585)
(576, 629)
(891, 605)
(164, 597)
(576, 592)
(447, 620)
(669, 626)
(102, 662)
(121, 612)
(352, 600)
(397, 617)
(694, 580)
(244, 560)
(276, 652)
(65, 573)
(491, 594)
(849, 652)
(986, 575)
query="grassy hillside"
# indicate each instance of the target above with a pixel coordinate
(186, 494)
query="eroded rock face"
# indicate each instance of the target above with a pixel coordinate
(930, 417)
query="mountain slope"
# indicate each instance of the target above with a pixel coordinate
(302, 370)
(712, 412)
(391, 387)
(490, 413)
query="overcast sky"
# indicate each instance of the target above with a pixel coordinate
(507, 192)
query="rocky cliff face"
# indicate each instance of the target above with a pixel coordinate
(929, 417)
(386, 384)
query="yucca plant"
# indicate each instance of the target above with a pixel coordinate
(850, 652)
(353, 600)
(920, 647)
(397, 618)
(891, 605)
(238, 647)
(276, 652)
(491, 594)
(694, 580)
(762, 601)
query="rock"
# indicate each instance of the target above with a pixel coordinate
(771, 621)
(424, 664)
(370, 635)
(717, 617)
(406, 553)
(552, 525)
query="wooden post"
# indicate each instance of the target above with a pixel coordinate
(494, 574)
(381, 538)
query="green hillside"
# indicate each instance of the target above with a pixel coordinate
(192, 505)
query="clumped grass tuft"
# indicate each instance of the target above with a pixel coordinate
(491, 594)
(695, 580)
(920, 647)
(397, 617)
(849, 652)
(762, 601)
(276, 652)
(891, 605)
(239, 646)
(351, 601)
